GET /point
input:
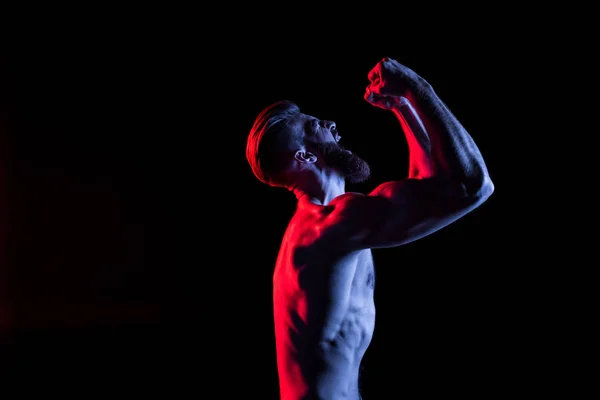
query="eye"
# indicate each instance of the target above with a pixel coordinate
(311, 127)
(314, 126)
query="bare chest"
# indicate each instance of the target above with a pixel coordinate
(363, 282)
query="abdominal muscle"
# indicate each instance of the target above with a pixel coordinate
(320, 347)
(343, 354)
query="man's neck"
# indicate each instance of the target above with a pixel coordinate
(323, 193)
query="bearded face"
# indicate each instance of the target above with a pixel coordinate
(353, 168)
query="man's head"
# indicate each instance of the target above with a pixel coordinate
(284, 142)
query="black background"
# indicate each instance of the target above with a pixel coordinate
(139, 248)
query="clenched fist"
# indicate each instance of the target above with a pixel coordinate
(389, 81)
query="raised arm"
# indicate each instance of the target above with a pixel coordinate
(438, 143)
(447, 175)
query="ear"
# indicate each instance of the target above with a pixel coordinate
(305, 157)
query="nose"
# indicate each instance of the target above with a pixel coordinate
(332, 128)
(329, 124)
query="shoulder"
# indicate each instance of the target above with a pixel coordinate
(356, 205)
(349, 216)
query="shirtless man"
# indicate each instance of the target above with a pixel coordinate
(323, 281)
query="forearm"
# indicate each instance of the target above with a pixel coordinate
(453, 152)
(419, 144)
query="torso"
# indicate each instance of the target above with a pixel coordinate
(324, 313)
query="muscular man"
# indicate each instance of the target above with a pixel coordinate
(324, 279)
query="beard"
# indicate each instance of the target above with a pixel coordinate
(353, 168)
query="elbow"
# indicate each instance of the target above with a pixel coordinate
(487, 188)
(474, 191)
(470, 193)
(483, 191)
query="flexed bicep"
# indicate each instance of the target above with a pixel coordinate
(398, 212)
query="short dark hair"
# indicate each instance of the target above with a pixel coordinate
(268, 140)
